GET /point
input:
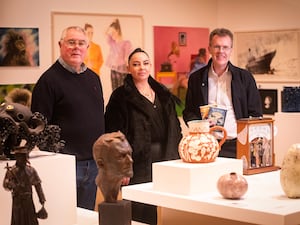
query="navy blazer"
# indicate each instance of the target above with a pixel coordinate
(246, 99)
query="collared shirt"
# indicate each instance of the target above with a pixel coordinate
(219, 94)
(83, 67)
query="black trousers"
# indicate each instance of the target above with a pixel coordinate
(146, 213)
(228, 149)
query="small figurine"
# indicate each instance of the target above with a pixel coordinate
(19, 179)
(112, 154)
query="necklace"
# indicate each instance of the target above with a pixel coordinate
(149, 94)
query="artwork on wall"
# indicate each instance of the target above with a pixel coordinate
(271, 56)
(182, 38)
(127, 29)
(269, 101)
(177, 45)
(19, 46)
(6, 88)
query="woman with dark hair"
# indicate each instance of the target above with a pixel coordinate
(144, 110)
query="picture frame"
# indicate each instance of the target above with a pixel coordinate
(19, 46)
(132, 27)
(5, 89)
(182, 38)
(132, 30)
(271, 56)
(269, 100)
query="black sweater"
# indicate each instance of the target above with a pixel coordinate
(75, 103)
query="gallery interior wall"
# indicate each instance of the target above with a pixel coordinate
(234, 14)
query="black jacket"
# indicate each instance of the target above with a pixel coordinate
(126, 112)
(245, 95)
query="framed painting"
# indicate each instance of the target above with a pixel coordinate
(271, 56)
(19, 46)
(5, 89)
(269, 100)
(182, 38)
(131, 27)
(129, 30)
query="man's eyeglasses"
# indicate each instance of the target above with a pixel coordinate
(223, 48)
(72, 43)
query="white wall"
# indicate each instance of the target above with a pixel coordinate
(237, 15)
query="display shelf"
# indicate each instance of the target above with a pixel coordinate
(57, 172)
(264, 203)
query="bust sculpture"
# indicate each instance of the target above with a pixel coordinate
(112, 154)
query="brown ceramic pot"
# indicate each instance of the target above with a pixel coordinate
(200, 146)
(232, 185)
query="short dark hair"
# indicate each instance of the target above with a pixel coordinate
(222, 32)
(136, 51)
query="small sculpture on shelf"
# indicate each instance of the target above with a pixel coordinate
(200, 145)
(232, 185)
(18, 123)
(290, 172)
(19, 179)
(112, 154)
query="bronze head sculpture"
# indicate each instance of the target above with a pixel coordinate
(112, 154)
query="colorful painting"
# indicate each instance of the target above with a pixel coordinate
(128, 29)
(19, 47)
(6, 88)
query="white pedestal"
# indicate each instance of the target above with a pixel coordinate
(287, 125)
(178, 177)
(57, 172)
(264, 203)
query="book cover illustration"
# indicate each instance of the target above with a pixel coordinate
(217, 115)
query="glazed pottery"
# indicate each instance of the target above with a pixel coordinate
(232, 185)
(290, 172)
(200, 146)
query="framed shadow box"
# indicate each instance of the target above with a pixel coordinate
(255, 145)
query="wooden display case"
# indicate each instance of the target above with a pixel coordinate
(255, 145)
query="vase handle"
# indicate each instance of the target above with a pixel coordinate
(218, 128)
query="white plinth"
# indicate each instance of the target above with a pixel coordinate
(264, 203)
(181, 178)
(57, 172)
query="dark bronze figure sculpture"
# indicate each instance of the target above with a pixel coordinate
(19, 179)
(20, 131)
(112, 154)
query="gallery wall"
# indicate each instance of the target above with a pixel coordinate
(234, 14)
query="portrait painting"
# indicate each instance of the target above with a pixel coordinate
(271, 56)
(128, 29)
(269, 101)
(19, 46)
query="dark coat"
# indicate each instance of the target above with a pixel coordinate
(245, 95)
(126, 112)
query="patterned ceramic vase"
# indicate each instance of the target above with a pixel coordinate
(290, 172)
(232, 185)
(200, 146)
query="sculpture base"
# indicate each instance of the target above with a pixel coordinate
(118, 213)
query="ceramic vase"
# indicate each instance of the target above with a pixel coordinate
(200, 146)
(290, 172)
(232, 185)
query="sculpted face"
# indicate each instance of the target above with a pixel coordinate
(112, 154)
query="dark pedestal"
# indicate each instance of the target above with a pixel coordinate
(115, 213)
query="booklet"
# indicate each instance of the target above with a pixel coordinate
(217, 115)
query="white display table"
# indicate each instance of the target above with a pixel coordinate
(57, 172)
(264, 203)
